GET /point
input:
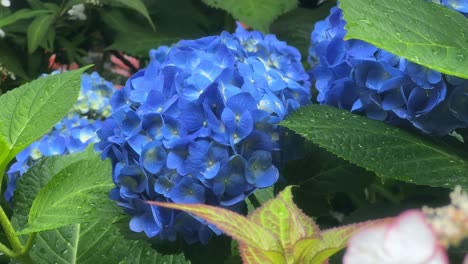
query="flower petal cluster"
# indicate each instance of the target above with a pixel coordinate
(357, 76)
(77, 12)
(73, 133)
(199, 125)
(409, 239)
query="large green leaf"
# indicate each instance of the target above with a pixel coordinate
(98, 241)
(386, 150)
(77, 193)
(258, 14)
(92, 242)
(31, 110)
(422, 32)
(37, 31)
(21, 14)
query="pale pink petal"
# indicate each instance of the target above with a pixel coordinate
(366, 246)
(410, 237)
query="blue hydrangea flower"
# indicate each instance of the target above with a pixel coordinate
(200, 125)
(357, 76)
(73, 133)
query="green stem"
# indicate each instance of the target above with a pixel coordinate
(386, 194)
(10, 232)
(8, 252)
(29, 243)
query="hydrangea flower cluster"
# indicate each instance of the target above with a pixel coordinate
(199, 125)
(73, 133)
(357, 76)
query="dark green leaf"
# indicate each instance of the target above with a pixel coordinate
(386, 150)
(136, 5)
(21, 14)
(37, 31)
(10, 60)
(294, 27)
(423, 32)
(92, 242)
(258, 14)
(139, 43)
(31, 110)
(142, 253)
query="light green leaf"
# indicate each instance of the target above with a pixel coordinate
(31, 110)
(37, 31)
(252, 255)
(247, 11)
(421, 31)
(388, 151)
(21, 14)
(77, 193)
(285, 221)
(138, 6)
(237, 226)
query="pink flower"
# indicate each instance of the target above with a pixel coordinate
(407, 239)
(120, 68)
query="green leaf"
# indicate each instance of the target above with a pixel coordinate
(120, 22)
(98, 241)
(388, 151)
(247, 11)
(92, 242)
(11, 61)
(19, 15)
(142, 253)
(423, 32)
(330, 241)
(126, 42)
(77, 193)
(294, 27)
(138, 6)
(252, 255)
(237, 226)
(37, 31)
(285, 221)
(31, 110)
(260, 197)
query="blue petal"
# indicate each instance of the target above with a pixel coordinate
(153, 157)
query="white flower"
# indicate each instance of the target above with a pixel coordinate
(77, 12)
(5, 3)
(408, 239)
(2, 33)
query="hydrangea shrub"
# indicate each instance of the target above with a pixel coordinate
(199, 125)
(357, 76)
